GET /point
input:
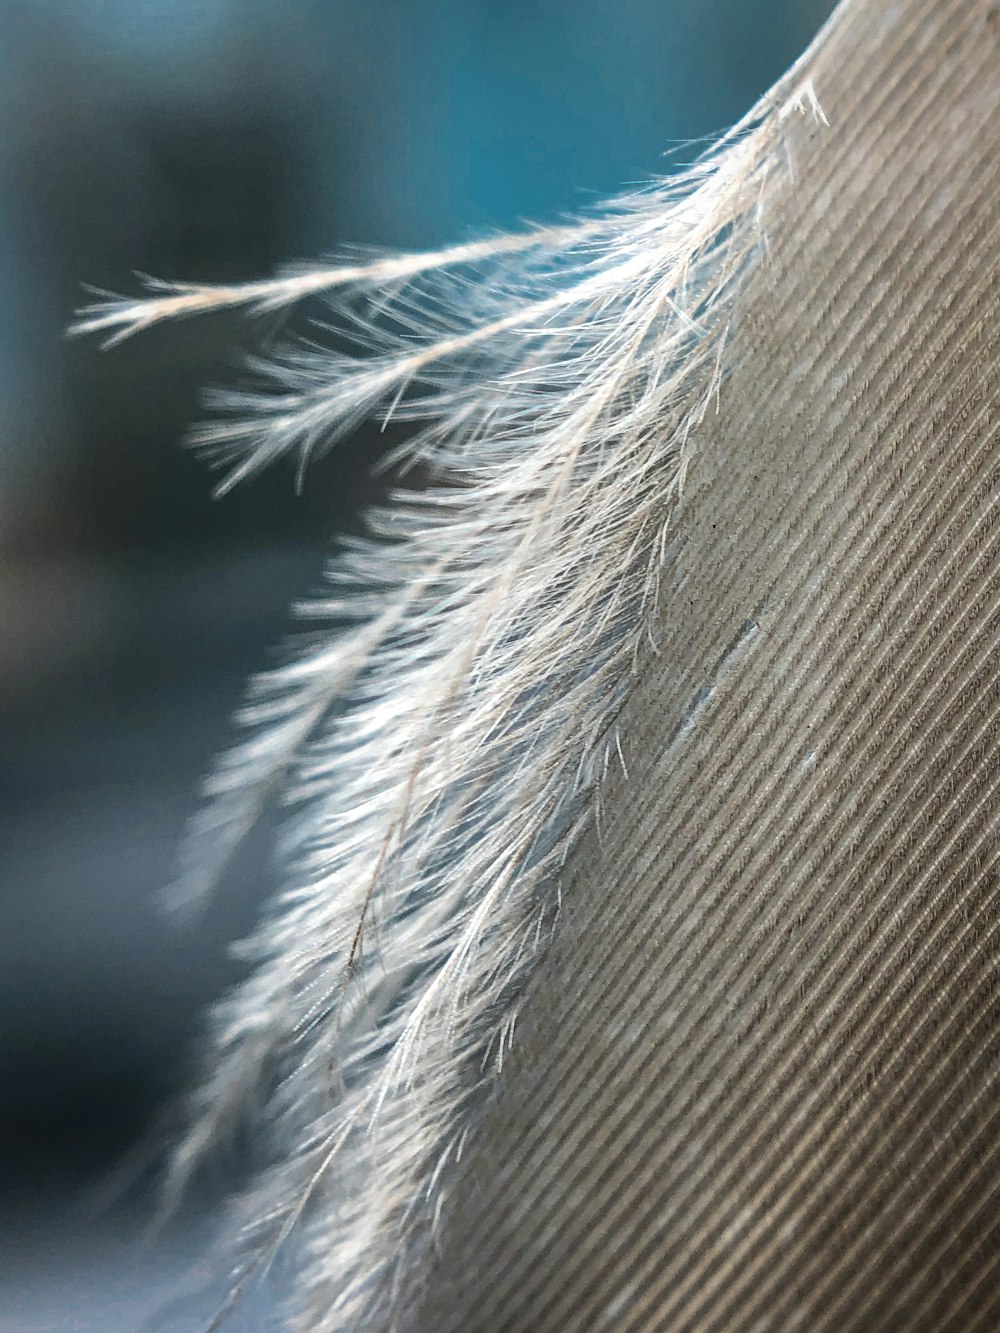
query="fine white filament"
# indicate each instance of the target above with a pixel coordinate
(447, 749)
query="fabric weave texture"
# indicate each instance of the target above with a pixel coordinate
(755, 1082)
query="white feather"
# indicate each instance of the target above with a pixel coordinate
(447, 751)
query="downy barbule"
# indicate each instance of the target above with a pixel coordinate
(446, 751)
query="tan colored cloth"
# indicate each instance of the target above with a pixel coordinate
(756, 1080)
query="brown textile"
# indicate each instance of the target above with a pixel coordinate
(755, 1083)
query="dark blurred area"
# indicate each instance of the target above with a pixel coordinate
(216, 140)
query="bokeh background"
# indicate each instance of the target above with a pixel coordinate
(215, 140)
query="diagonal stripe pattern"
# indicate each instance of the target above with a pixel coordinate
(756, 1077)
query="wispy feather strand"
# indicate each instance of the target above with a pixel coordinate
(448, 749)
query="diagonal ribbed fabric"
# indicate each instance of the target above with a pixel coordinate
(755, 1082)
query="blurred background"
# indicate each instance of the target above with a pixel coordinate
(215, 140)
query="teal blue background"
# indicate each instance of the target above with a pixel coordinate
(215, 140)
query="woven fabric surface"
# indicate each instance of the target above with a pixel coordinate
(755, 1082)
